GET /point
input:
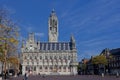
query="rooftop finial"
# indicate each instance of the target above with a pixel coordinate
(53, 10)
(72, 38)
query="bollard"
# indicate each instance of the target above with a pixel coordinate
(117, 75)
(102, 74)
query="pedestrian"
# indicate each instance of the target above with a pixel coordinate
(25, 76)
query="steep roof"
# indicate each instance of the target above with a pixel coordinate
(115, 51)
(55, 46)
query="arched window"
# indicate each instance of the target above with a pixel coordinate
(35, 57)
(68, 57)
(25, 57)
(32, 62)
(26, 68)
(64, 57)
(59, 57)
(37, 62)
(64, 68)
(51, 68)
(40, 68)
(46, 69)
(45, 57)
(30, 57)
(34, 68)
(27, 62)
(69, 68)
(59, 68)
(40, 57)
(50, 57)
(55, 57)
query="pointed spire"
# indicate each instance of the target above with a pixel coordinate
(53, 13)
(53, 10)
(107, 52)
(72, 39)
(31, 37)
(22, 43)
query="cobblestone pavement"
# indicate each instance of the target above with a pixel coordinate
(77, 77)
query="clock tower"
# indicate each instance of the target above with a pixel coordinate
(53, 27)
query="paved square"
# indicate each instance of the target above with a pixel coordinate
(77, 77)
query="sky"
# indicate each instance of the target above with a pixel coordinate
(95, 24)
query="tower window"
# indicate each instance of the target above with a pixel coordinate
(45, 57)
(34, 68)
(55, 57)
(35, 57)
(50, 28)
(50, 57)
(25, 57)
(55, 22)
(30, 57)
(53, 46)
(56, 29)
(26, 68)
(48, 46)
(68, 57)
(40, 57)
(30, 45)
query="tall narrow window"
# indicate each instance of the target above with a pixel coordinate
(34, 68)
(25, 57)
(40, 68)
(26, 68)
(40, 57)
(50, 28)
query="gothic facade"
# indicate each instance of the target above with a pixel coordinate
(52, 57)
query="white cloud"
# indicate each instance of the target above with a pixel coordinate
(29, 29)
(39, 34)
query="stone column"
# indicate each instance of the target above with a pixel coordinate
(61, 68)
(37, 69)
(71, 70)
(23, 70)
(43, 69)
(48, 69)
(66, 69)
(74, 70)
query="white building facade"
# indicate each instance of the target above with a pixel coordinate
(52, 57)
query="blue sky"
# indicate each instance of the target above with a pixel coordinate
(95, 24)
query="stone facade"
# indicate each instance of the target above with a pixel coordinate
(52, 57)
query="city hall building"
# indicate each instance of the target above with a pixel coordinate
(52, 57)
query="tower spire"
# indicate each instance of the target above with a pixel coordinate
(53, 27)
(72, 41)
(53, 10)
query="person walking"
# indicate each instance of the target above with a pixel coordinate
(26, 76)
